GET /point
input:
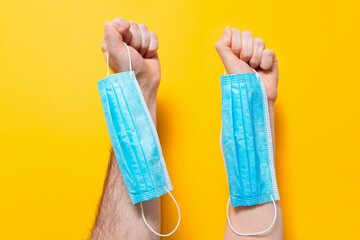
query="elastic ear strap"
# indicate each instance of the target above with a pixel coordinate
(107, 59)
(159, 234)
(256, 233)
(128, 50)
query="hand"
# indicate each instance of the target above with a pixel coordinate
(143, 47)
(240, 52)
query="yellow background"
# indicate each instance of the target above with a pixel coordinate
(54, 144)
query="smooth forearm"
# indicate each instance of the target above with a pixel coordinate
(258, 217)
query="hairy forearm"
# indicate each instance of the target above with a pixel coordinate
(117, 217)
(256, 218)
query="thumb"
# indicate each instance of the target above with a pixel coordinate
(223, 47)
(115, 46)
(113, 38)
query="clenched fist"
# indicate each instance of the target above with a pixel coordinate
(240, 51)
(143, 46)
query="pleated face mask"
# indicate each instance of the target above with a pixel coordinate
(246, 142)
(134, 138)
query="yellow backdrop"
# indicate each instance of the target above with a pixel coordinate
(54, 145)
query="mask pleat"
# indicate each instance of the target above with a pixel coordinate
(126, 134)
(133, 135)
(108, 111)
(229, 140)
(249, 136)
(148, 155)
(242, 156)
(245, 140)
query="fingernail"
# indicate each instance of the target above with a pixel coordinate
(226, 31)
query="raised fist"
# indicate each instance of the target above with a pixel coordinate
(240, 51)
(143, 47)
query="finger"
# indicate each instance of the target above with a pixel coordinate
(135, 35)
(114, 45)
(122, 27)
(223, 47)
(153, 47)
(235, 41)
(246, 45)
(258, 47)
(145, 39)
(267, 59)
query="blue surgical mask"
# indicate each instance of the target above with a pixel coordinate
(134, 138)
(246, 142)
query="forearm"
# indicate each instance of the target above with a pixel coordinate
(256, 218)
(117, 217)
(272, 123)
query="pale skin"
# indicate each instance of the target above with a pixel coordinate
(117, 217)
(239, 52)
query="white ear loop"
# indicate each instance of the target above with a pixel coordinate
(128, 50)
(256, 233)
(177, 225)
(107, 59)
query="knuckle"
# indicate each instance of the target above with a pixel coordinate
(143, 26)
(153, 35)
(235, 30)
(118, 19)
(259, 42)
(268, 52)
(133, 25)
(247, 33)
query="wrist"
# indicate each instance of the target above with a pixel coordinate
(271, 103)
(152, 110)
